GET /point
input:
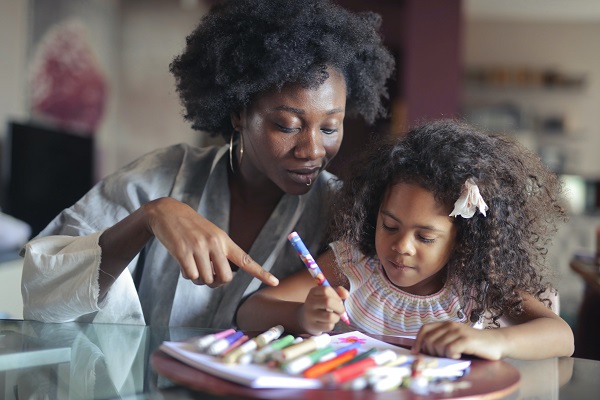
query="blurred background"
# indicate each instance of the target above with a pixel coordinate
(85, 89)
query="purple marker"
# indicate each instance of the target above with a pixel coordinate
(312, 266)
(221, 344)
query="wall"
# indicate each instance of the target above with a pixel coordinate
(13, 37)
(135, 40)
(570, 47)
(153, 32)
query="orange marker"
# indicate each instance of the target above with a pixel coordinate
(324, 367)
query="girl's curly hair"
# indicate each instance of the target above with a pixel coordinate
(245, 47)
(495, 258)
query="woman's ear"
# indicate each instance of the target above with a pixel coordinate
(238, 120)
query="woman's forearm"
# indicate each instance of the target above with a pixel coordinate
(120, 244)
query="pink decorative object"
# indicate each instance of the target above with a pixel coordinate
(67, 84)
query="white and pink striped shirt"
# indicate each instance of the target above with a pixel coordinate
(376, 306)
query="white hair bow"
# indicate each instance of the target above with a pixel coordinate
(469, 201)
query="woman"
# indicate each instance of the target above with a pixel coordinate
(275, 79)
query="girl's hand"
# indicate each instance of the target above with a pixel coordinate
(202, 250)
(453, 339)
(322, 309)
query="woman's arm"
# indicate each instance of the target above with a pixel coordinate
(297, 303)
(537, 333)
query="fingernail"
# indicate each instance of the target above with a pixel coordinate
(274, 280)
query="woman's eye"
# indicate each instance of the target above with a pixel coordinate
(329, 131)
(286, 129)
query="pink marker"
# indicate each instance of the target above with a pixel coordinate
(234, 345)
(205, 341)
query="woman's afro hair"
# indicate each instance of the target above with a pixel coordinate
(245, 47)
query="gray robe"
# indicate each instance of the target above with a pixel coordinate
(60, 273)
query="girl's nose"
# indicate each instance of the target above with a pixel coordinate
(404, 246)
(309, 145)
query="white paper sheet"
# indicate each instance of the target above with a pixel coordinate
(261, 376)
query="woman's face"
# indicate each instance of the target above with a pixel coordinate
(290, 136)
(414, 239)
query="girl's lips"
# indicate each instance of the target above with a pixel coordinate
(399, 265)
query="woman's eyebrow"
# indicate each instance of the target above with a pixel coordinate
(302, 112)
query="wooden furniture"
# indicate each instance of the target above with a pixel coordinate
(106, 361)
(488, 379)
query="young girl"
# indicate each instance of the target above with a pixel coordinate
(439, 233)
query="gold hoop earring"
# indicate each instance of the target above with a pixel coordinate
(231, 150)
(241, 149)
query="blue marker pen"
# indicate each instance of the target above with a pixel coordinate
(312, 266)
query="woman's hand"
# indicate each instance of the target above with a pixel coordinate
(202, 250)
(453, 339)
(322, 309)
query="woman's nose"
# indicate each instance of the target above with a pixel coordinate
(310, 145)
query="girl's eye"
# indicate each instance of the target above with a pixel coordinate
(329, 131)
(426, 240)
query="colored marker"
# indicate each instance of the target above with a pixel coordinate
(312, 266)
(357, 369)
(339, 351)
(205, 341)
(359, 383)
(324, 367)
(301, 363)
(361, 356)
(222, 344)
(267, 337)
(387, 383)
(263, 355)
(311, 344)
(234, 346)
(273, 363)
(233, 356)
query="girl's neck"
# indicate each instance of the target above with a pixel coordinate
(426, 287)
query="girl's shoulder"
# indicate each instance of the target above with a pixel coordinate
(354, 264)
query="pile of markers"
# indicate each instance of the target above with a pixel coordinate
(315, 358)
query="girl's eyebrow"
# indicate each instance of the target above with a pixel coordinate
(426, 227)
(302, 112)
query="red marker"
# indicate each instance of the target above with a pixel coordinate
(358, 368)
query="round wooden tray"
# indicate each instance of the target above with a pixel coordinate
(488, 379)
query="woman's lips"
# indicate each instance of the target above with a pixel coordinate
(304, 176)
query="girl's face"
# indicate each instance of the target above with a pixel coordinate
(292, 134)
(414, 239)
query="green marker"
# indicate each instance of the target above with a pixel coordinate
(262, 355)
(359, 357)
